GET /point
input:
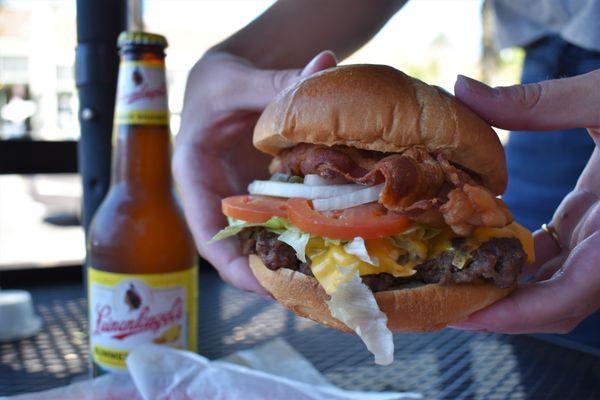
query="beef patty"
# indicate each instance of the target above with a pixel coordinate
(498, 260)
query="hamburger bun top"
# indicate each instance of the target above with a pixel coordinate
(420, 309)
(376, 107)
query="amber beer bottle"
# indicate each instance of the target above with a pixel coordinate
(142, 278)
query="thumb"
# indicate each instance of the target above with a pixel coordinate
(265, 84)
(323, 60)
(553, 104)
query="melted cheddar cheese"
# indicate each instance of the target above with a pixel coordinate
(330, 263)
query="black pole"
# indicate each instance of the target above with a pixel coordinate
(96, 66)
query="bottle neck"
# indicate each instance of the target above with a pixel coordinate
(142, 154)
(142, 159)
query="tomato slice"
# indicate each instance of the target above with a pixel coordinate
(369, 221)
(255, 209)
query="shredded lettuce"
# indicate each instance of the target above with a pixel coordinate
(288, 233)
(280, 177)
(357, 247)
(332, 242)
(275, 224)
(414, 240)
(415, 248)
(420, 231)
(354, 304)
(297, 240)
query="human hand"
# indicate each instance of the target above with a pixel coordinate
(566, 288)
(214, 156)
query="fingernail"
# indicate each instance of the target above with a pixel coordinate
(317, 63)
(332, 54)
(476, 87)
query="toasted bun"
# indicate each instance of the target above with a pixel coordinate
(424, 308)
(376, 107)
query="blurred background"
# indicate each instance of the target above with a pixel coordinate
(433, 40)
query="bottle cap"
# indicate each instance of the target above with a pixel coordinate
(141, 38)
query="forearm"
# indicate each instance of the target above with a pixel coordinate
(290, 32)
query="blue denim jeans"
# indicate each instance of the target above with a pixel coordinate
(544, 166)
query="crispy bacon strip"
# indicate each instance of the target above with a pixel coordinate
(469, 204)
(472, 206)
(329, 162)
(428, 189)
(411, 176)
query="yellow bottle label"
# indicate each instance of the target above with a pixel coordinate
(126, 310)
(142, 94)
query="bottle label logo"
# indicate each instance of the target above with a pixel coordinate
(127, 310)
(142, 94)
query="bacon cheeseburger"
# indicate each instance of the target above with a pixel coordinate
(381, 215)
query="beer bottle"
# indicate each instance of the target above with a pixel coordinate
(142, 278)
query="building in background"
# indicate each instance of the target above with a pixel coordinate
(37, 42)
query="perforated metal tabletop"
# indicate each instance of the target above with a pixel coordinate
(445, 365)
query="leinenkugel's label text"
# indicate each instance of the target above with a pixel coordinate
(127, 310)
(142, 94)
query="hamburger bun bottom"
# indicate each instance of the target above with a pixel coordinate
(427, 307)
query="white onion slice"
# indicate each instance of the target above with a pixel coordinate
(283, 189)
(316, 180)
(353, 199)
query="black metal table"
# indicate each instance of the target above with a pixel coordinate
(445, 365)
